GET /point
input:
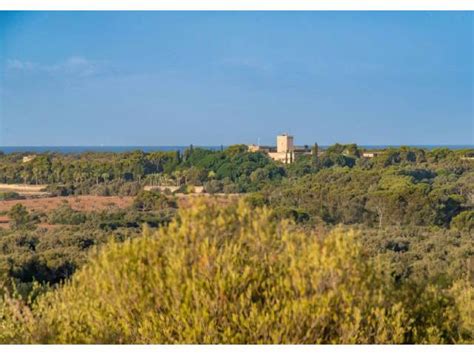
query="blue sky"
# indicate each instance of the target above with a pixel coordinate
(211, 78)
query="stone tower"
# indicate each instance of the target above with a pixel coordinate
(284, 143)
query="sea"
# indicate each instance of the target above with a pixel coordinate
(168, 148)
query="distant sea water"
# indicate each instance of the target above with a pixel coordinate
(97, 149)
(168, 148)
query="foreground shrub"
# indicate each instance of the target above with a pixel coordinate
(235, 275)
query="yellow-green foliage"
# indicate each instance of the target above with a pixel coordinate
(235, 275)
(15, 319)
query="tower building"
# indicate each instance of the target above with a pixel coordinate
(285, 150)
(285, 143)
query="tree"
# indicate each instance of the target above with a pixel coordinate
(177, 157)
(315, 156)
(211, 175)
(258, 175)
(41, 168)
(352, 150)
(195, 175)
(315, 150)
(236, 149)
(153, 201)
(19, 216)
(213, 186)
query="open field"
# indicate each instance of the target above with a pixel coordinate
(84, 203)
(89, 203)
(81, 203)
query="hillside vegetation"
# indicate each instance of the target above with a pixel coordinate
(238, 275)
(334, 248)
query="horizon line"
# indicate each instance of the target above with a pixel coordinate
(227, 145)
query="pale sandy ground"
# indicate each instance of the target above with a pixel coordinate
(25, 190)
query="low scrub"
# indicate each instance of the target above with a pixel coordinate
(237, 275)
(10, 195)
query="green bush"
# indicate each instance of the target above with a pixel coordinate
(60, 190)
(464, 221)
(153, 200)
(256, 199)
(64, 214)
(20, 218)
(10, 195)
(213, 186)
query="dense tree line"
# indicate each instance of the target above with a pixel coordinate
(233, 169)
(400, 187)
(390, 196)
(124, 173)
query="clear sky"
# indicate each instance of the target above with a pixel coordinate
(211, 78)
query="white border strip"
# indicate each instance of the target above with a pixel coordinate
(236, 5)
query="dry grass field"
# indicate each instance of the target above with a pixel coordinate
(89, 203)
(85, 203)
